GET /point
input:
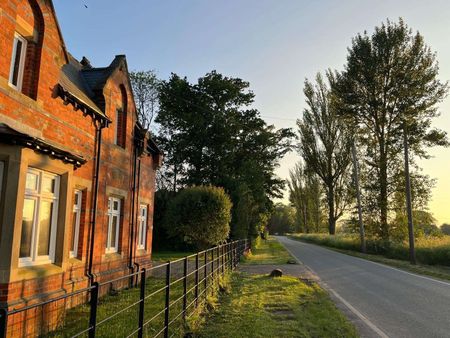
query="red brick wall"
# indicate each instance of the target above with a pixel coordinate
(62, 125)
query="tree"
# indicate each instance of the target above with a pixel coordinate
(145, 90)
(211, 136)
(389, 82)
(305, 195)
(445, 228)
(325, 146)
(281, 220)
(199, 216)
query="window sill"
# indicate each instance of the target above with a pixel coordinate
(35, 271)
(75, 261)
(111, 256)
(141, 252)
(116, 146)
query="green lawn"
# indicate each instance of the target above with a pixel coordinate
(76, 319)
(260, 306)
(164, 256)
(269, 251)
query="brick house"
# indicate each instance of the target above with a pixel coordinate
(77, 172)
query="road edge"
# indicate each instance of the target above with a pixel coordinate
(364, 326)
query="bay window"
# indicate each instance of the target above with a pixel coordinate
(39, 218)
(112, 239)
(142, 226)
(76, 217)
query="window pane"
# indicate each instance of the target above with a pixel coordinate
(48, 184)
(45, 221)
(114, 222)
(76, 198)
(32, 181)
(27, 227)
(16, 64)
(116, 205)
(74, 231)
(142, 236)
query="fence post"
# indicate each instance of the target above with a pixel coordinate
(212, 264)
(222, 257)
(205, 270)
(185, 272)
(232, 256)
(141, 305)
(3, 322)
(93, 309)
(196, 280)
(166, 314)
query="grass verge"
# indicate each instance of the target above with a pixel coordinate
(437, 271)
(260, 306)
(268, 251)
(164, 256)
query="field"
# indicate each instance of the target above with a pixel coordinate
(432, 253)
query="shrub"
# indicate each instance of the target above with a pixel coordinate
(160, 236)
(199, 216)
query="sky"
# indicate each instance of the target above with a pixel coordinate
(272, 44)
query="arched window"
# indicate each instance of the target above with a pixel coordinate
(121, 119)
(27, 46)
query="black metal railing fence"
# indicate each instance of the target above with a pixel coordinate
(158, 303)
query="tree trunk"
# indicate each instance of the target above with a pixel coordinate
(331, 218)
(383, 197)
(358, 199)
(412, 253)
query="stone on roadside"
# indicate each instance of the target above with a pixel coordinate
(276, 273)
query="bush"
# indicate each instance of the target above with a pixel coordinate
(160, 236)
(199, 216)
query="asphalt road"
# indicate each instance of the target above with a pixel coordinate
(397, 303)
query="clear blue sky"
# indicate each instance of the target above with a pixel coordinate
(272, 44)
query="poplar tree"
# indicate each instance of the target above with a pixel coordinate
(325, 146)
(390, 84)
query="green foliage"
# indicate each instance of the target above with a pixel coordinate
(390, 82)
(210, 135)
(305, 195)
(429, 250)
(199, 216)
(281, 219)
(160, 236)
(325, 145)
(424, 225)
(145, 86)
(445, 228)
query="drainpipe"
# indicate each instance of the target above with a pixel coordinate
(98, 140)
(137, 193)
(133, 206)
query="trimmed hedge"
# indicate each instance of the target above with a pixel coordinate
(429, 250)
(199, 216)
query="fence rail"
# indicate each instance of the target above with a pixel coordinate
(157, 304)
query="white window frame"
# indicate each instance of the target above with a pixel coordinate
(18, 86)
(78, 194)
(113, 247)
(40, 196)
(142, 226)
